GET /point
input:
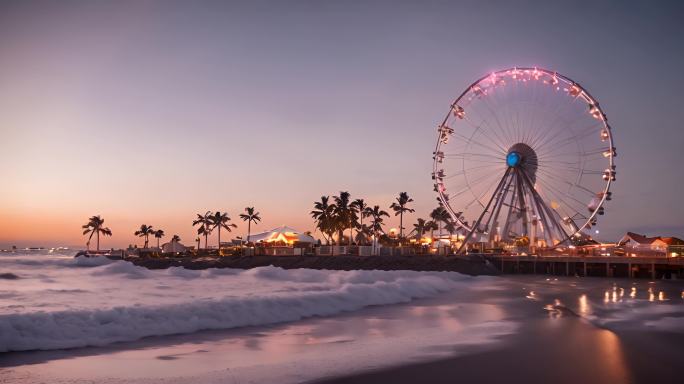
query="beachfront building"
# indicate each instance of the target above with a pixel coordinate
(635, 244)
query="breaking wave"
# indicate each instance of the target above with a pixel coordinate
(117, 301)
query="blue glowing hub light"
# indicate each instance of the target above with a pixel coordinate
(513, 159)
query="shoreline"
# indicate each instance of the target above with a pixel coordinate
(473, 266)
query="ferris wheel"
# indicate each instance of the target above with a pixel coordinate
(524, 156)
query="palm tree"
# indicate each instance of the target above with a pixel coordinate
(440, 215)
(95, 227)
(159, 233)
(363, 233)
(250, 217)
(420, 227)
(204, 222)
(450, 227)
(399, 208)
(175, 239)
(324, 216)
(145, 231)
(359, 206)
(376, 215)
(431, 226)
(345, 214)
(221, 220)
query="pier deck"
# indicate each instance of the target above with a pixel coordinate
(604, 266)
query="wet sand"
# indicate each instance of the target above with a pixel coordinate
(515, 330)
(557, 347)
(568, 351)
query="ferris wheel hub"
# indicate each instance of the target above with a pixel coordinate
(522, 156)
(513, 159)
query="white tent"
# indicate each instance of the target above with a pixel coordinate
(284, 234)
(173, 247)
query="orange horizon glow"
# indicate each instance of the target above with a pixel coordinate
(62, 227)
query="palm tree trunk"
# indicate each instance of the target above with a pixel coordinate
(351, 233)
(249, 229)
(98, 241)
(219, 239)
(401, 226)
(360, 225)
(158, 242)
(206, 240)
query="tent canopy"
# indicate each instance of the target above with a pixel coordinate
(174, 247)
(282, 234)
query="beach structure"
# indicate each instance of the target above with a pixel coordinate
(282, 235)
(634, 243)
(173, 247)
(280, 241)
(513, 172)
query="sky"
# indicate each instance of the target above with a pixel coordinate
(154, 111)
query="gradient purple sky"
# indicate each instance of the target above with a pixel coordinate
(152, 111)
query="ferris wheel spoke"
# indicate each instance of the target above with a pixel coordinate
(567, 128)
(579, 135)
(558, 119)
(478, 128)
(465, 171)
(537, 121)
(470, 140)
(499, 159)
(509, 134)
(544, 127)
(574, 170)
(566, 194)
(561, 196)
(477, 197)
(488, 180)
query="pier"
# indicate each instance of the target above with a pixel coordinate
(596, 266)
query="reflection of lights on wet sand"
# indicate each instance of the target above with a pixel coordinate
(606, 297)
(633, 293)
(661, 296)
(651, 295)
(682, 294)
(555, 309)
(584, 305)
(531, 295)
(613, 363)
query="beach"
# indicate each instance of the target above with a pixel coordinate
(402, 327)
